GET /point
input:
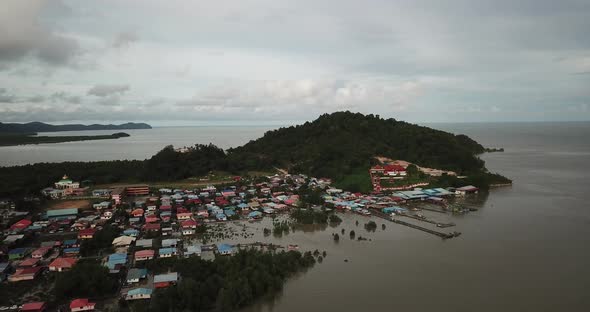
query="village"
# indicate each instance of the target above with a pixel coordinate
(143, 223)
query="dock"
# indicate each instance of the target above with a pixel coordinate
(442, 235)
(424, 219)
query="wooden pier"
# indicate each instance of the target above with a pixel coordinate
(424, 219)
(442, 235)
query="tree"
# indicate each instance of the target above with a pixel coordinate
(85, 279)
(412, 171)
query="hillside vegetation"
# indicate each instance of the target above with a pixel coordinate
(341, 146)
(340, 143)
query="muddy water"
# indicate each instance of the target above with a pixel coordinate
(526, 249)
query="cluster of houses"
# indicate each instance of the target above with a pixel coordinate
(153, 224)
(360, 203)
(162, 224)
(383, 177)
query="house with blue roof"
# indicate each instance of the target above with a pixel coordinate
(116, 261)
(220, 217)
(139, 293)
(131, 232)
(68, 243)
(72, 251)
(394, 209)
(172, 242)
(225, 249)
(17, 253)
(134, 275)
(243, 206)
(192, 250)
(255, 215)
(167, 252)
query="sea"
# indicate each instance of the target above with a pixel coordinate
(526, 248)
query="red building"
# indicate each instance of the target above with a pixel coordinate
(21, 225)
(86, 234)
(387, 174)
(62, 264)
(137, 190)
(34, 307)
(81, 305)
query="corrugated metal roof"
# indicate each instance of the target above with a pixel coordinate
(168, 277)
(62, 212)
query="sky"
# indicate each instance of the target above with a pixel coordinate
(178, 62)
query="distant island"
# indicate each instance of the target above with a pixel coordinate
(11, 139)
(33, 127)
(342, 146)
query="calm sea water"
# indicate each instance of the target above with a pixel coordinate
(526, 249)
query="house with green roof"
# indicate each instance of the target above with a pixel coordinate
(62, 214)
(139, 293)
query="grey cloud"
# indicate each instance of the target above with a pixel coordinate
(106, 90)
(24, 33)
(36, 99)
(124, 39)
(5, 97)
(110, 100)
(64, 97)
(154, 102)
(58, 50)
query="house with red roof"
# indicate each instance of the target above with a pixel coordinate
(137, 212)
(184, 216)
(20, 225)
(86, 233)
(152, 227)
(144, 255)
(34, 307)
(29, 263)
(189, 224)
(394, 170)
(151, 219)
(81, 305)
(25, 274)
(41, 252)
(62, 264)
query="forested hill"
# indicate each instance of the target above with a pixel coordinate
(341, 146)
(341, 143)
(36, 126)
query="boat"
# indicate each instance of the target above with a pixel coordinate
(292, 247)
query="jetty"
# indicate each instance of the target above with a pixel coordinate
(424, 219)
(442, 235)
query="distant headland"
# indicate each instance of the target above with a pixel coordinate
(12, 139)
(33, 127)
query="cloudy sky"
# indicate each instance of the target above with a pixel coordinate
(271, 61)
